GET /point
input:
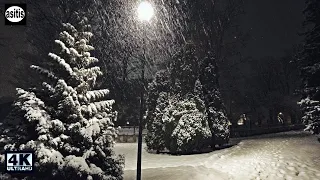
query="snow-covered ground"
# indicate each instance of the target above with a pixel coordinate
(290, 155)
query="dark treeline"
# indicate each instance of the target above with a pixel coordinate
(262, 88)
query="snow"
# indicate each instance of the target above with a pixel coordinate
(63, 46)
(46, 155)
(57, 125)
(96, 94)
(77, 163)
(44, 71)
(290, 155)
(82, 46)
(62, 62)
(311, 114)
(67, 37)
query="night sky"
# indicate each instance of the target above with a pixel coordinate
(273, 26)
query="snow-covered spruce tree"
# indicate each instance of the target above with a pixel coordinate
(184, 70)
(157, 101)
(68, 123)
(310, 68)
(179, 124)
(216, 111)
(156, 132)
(187, 67)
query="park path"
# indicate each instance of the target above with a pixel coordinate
(283, 156)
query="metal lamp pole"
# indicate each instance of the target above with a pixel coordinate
(145, 12)
(143, 61)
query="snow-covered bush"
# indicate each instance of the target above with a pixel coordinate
(68, 123)
(185, 109)
(187, 125)
(179, 125)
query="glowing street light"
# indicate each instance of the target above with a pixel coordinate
(145, 11)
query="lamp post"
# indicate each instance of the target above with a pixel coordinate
(145, 13)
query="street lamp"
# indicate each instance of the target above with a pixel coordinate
(145, 12)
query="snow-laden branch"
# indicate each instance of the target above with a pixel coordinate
(96, 94)
(96, 107)
(83, 46)
(61, 62)
(64, 48)
(65, 36)
(44, 71)
(48, 87)
(34, 110)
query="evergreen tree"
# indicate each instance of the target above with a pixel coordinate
(179, 123)
(156, 132)
(156, 102)
(186, 120)
(310, 68)
(216, 111)
(68, 123)
(184, 69)
(185, 110)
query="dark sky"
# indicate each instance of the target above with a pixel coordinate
(273, 26)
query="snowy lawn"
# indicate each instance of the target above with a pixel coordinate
(288, 155)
